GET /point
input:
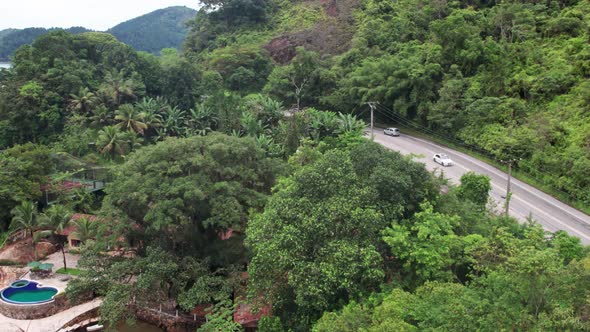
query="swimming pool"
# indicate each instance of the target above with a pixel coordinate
(27, 292)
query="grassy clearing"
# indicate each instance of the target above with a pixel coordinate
(524, 177)
(71, 271)
(297, 17)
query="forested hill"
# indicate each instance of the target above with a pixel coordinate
(163, 28)
(508, 78)
(12, 39)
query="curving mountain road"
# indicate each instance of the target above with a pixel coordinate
(552, 214)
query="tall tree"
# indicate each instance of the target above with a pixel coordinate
(85, 229)
(54, 220)
(130, 119)
(120, 88)
(83, 102)
(24, 170)
(318, 240)
(111, 141)
(25, 218)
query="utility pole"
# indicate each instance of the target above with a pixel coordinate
(508, 192)
(372, 106)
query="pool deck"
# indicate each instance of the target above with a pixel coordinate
(55, 322)
(48, 324)
(56, 280)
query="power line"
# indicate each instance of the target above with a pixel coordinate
(398, 118)
(419, 127)
(428, 130)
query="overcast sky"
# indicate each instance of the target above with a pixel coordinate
(91, 14)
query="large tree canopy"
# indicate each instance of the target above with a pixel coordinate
(318, 240)
(183, 203)
(183, 192)
(23, 171)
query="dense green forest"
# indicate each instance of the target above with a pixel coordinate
(244, 153)
(509, 79)
(163, 28)
(12, 39)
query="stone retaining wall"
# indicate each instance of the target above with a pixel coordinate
(35, 311)
(169, 323)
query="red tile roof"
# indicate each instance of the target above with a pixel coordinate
(244, 315)
(63, 185)
(77, 216)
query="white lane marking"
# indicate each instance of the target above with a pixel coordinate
(553, 218)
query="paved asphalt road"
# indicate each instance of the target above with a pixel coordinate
(552, 214)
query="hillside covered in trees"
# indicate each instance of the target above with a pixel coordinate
(163, 28)
(509, 79)
(12, 39)
(152, 32)
(216, 198)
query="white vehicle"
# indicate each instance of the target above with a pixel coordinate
(442, 159)
(391, 131)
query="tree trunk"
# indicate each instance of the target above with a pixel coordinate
(34, 249)
(64, 256)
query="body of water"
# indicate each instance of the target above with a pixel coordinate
(5, 64)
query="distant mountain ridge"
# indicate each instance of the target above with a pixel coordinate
(159, 29)
(12, 39)
(151, 32)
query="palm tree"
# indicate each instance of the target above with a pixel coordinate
(130, 119)
(83, 101)
(111, 141)
(119, 87)
(101, 116)
(55, 219)
(85, 229)
(133, 141)
(24, 217)
(151, 120)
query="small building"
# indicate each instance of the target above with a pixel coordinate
(70, 231)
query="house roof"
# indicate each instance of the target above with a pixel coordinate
(77, 216)
(227, 234)
(63, 185)
(245, 316)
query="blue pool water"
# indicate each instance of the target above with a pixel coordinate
(27, 292)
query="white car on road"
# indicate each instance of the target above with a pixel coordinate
(391, 131)
(442, 159)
